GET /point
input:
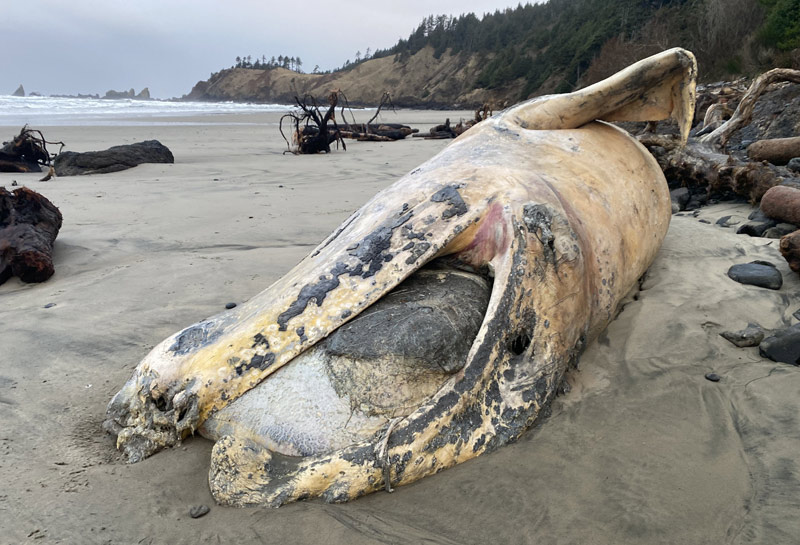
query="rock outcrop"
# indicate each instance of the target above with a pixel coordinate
(114, 159)
(20, 92)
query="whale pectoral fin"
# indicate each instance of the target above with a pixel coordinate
(653, 89)
(514, 368)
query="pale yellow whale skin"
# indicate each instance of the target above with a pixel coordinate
(566, 211)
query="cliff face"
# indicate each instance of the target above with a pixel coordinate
(421, 80)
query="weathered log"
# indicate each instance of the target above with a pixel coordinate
(790, 250)
(777, 151)
(698, 165)
(29, 224)
(782, 203)
(114, 159)
(744, 112)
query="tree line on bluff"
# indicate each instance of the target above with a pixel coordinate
(563, 44)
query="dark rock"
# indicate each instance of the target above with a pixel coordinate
(779, 230)
(704, 221)
(752, 335)
(796, 314)
(197, 511)
(758, 215)
(20, 92)
(680, 196)
(794, 165)
(757, 273)
(729, 221)
(230, 305)
(696, 201)
(783, 346)
(114, 159)
(713, 377)
(29, 224)
(756, 228)
(49, 305)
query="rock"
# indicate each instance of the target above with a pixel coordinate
(755, 228)
(752, 335)
(20, 92)
(117, 95)
(758, 215)
(790, 250)
(713, 377)
(29, 224)
(796, 314)
(114, 159)
(704, 221)
(794, 165)
(757, 273)
(144, 94)
(779, 230)
(197, 511)
(680, 196)
(730, 221)
(783, 346)
(782, 203)
(230, 305)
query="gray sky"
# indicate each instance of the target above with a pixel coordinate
(91, 46)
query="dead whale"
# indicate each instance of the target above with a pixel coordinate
(503, 256)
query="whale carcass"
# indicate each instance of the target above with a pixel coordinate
(438, 320)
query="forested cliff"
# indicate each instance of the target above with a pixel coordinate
(555, 46)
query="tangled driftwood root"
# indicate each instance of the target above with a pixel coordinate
(27, 152)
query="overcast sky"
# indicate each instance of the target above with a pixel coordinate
(91, 46)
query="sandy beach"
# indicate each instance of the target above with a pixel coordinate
(642, 450)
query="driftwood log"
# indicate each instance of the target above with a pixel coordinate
(114, 159)
(777, 151)
(29, 224)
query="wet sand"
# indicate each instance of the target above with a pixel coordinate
(642, 450)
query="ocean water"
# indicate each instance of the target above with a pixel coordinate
(47, 111)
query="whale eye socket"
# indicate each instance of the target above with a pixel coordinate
(519, 343)
(161, 403)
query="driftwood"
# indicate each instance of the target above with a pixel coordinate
(703, 162)
(113, 159)
(790, 250)
(29, 224)
(308, 138)
(27, 152)
(447, 131)
(777, 151)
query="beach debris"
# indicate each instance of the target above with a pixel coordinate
(783, 346)
(752, 335)
(114, 159)
(29, 224)
(778, 151)
(704, 165)
(445, 130)
(27, 152)
(197, 511)
(310, 132)
(713, 377)
(757, 273)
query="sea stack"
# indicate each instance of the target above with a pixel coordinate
(20, 92)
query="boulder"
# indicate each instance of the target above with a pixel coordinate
(29, 224)
(782, 203)
(114, 159)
